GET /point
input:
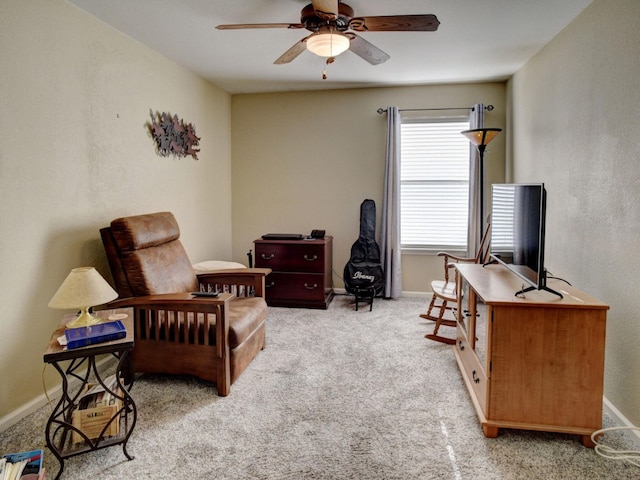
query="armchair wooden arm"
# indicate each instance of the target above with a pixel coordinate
(239, 281)
(193, 331)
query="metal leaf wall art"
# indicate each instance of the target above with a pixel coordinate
(173, 136)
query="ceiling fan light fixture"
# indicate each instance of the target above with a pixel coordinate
(328, 44)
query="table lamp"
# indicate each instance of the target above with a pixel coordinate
(83, 288)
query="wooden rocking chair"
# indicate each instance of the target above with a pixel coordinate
(445, 292)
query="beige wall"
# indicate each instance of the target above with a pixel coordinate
(576, 127)
(308, 160)
(74, 154)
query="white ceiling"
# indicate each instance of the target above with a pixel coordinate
(478, 40)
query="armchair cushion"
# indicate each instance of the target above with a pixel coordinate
(147, 245)
(213, 265)
(246, 314)
(143, 231)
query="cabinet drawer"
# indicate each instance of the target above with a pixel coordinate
(476, 374)
(301, 286)
(302, 257)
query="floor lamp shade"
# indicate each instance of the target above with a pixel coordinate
(481, 136)
(83, 288)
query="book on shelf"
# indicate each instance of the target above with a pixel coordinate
(95, 395)
(98, 406)
(22, 466)
(100, 333)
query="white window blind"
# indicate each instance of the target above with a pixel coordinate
(502, 218)
(434, 184)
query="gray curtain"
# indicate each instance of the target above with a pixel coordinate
(474, 233)
(390, 229)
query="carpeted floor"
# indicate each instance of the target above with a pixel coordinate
(336, 394)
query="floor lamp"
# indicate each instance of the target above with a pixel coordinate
(481, 137)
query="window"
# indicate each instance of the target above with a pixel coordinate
(434, 184)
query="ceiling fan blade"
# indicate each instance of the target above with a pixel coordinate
(239, 26)
(326, 9)
(367, 50)
(299, 47)
(395, 23)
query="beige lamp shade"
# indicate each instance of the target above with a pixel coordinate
(481, 136)
(328, 44)
(83, 288)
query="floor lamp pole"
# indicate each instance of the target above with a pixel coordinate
(481, 149)
(480, 137)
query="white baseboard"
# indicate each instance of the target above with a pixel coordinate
(40, 401)
(425, 295)
(342, 291)
(621, 421)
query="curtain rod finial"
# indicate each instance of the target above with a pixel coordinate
(381, 111)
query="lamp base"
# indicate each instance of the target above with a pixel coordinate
(85, 319)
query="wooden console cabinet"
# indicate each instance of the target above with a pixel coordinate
(300, 272)
(533, 363)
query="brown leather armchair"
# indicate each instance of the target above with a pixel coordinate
(176, 333)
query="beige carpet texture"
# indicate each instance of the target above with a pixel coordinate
(336, 394)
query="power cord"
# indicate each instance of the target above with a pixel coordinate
(631, 456)
(44, 387)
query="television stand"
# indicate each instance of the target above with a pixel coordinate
(534, 363)
(543, 287)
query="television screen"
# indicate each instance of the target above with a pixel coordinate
(517, 230)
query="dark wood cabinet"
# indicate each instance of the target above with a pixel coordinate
(300, 272)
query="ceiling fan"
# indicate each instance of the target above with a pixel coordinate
(330, 22)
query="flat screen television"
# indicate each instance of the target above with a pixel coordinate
(517, 232)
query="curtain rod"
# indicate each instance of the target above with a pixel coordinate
(384, 110)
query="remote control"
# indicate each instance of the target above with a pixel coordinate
(205, 294)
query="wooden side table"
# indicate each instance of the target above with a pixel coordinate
(65, 439)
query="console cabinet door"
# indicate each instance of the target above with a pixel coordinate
(473, 341)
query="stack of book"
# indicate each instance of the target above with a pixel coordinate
(97, 407)
(22, 466)
(100, 333)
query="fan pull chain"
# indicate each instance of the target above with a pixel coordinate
(331, 58)
(324, 70)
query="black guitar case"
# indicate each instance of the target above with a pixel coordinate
(363, 274)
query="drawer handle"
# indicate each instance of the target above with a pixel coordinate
(310, 287)
(269, 285)
(460, 345)
(476, 379)
(310, 259)
(268, 257)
